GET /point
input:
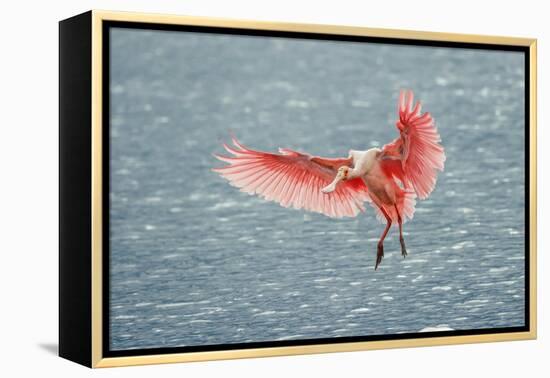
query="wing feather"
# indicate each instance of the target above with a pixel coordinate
(293, 179)
(344, 206)
(416, 155)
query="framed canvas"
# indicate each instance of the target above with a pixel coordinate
(235, 189)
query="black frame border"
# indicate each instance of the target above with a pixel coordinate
(75, 192)
(107, 25)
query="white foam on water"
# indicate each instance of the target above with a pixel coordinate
(340, 330)
(177, 304)
(309, 327)
(117, 88)
(290, 337)
(343, 232)
(486, 284)
(153, 199)
(122, 172)
(423, 210)
(441, 288)
(270, 312)
(324, 279)
(195, 196)
(211, 310)
(293, 103)
(438, 328)
(516, 258)
(224, 205)
(171, 256)
(143, 304)
(464, 244)
(361, 309)
(498, 270)
(417, 261)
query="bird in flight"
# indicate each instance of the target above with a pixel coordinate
(390, 178)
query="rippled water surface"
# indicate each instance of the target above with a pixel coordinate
(196, 262)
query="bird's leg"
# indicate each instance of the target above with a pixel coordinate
(380, 250)
(401, 239)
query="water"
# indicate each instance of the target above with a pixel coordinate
(196, 262)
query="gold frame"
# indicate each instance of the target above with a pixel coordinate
(97, 357)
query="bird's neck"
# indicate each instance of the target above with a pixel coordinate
(353, 173)
(363, 163)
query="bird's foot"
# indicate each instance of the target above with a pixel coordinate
(403, 248)
(379, 255)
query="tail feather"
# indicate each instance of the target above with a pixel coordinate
(406, 204)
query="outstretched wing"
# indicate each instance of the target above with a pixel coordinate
(293, 179)
(416, 155)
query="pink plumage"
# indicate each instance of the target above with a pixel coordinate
(293, 179)
(390, 179)
(417, 148)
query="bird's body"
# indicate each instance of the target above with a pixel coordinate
(390, 178)
(365, 165)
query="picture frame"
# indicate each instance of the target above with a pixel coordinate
(87, 98)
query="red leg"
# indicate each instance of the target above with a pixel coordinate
(380, 250)
(401, 239)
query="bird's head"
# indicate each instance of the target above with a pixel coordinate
(343, 173)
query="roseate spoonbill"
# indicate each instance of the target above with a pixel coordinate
(390, 179)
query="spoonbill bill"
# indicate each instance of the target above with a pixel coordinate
(390, 178)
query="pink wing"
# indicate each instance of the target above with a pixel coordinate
(416, 155)
(293, 179)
